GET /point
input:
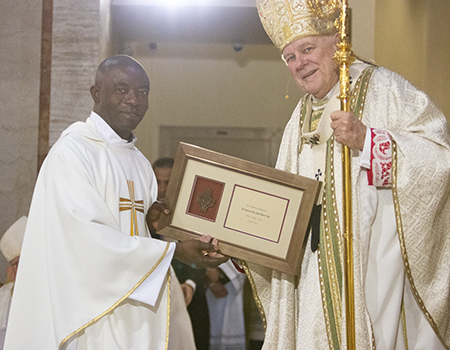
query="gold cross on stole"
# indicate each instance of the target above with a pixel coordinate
(133, 205)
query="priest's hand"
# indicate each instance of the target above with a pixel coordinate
(348, 129)
(188, 293)
(154, 213)
(199, 253)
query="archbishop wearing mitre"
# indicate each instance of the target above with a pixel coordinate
(400, 175)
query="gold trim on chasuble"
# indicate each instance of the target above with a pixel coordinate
(168, 309)
(401, 236)
(258, 302)
(403, 318)
(330, 252)
(133, 205)
(330, 255)
(125, 297)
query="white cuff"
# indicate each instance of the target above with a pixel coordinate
(192, 284)
(365, 154)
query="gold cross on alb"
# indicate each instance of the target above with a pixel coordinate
(133, 205)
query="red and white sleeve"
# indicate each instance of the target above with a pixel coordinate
(380, 172)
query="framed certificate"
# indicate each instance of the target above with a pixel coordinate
(258, 214)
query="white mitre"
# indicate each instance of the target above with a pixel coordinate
(11, 242)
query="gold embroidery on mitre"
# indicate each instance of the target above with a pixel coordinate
(286, 21)
(287, 32)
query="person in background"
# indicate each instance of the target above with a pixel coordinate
(400, 171)
(91, 277)
(193, 281)
(163, 169)
(225, 296)
(10, 246)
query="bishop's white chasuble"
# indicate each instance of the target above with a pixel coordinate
(90, 277)
(401, 243)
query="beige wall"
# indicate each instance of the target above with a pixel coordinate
(412, 38)
(363, 28)
(212, 85)
(437, 54)
(20, 42)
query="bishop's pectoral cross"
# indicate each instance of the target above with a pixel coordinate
(133, 205)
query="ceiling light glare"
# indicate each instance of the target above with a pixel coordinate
(179, 3)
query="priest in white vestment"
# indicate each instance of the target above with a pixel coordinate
(400, 170)
(90, 275)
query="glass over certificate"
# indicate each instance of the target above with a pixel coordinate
(257, 213)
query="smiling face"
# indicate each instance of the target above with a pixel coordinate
(121, 94)
(311, 63)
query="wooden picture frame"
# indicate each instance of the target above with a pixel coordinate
(258, 214)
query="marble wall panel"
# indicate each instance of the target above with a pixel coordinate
(20, 37)
(75, 57)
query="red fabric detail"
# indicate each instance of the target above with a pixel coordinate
(385, 146)
(380, 159)
(236, 265)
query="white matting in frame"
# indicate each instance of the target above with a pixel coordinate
(257, 213)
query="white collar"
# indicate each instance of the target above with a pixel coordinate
(108, 134)
(318, 104)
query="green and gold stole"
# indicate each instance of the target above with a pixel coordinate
(330, 254)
